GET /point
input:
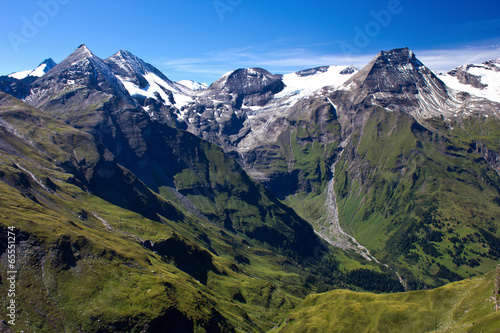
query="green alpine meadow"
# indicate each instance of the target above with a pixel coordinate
(368, 201)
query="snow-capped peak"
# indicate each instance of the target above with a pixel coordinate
(82, 52)
(80, 68)
(41, 69)
(125, 63)
(193, 85)
(143, 80)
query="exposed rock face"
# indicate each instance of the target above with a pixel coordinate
(349, 70)
(481, 80)
(253, 114)
(465, 77)
(396, 72)
(247, 87)
(130, 68)
(17, 88)
(312, 71)
(397, 80)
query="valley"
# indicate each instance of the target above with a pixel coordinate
(261, 203)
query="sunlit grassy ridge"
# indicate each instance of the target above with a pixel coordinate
(463, 306)
(82, 261)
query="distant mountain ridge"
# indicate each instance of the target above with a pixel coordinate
(40, 70)
(80, 68)
(132, 70)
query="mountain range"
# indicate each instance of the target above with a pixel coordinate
(146, 205)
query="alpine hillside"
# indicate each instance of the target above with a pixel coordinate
(128, 224)
(141, 204)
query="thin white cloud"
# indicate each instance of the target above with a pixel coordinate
(443, 60)
(184, 61)
(287, 60)
(484, 24)
(277, 61)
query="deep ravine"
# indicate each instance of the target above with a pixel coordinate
(331, 230)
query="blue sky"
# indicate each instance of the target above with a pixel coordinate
(203, 39)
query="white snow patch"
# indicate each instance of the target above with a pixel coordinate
(20, 75)
(39, 71)
(489, 76)
(298, 86)
(156, 85)
(193, 85)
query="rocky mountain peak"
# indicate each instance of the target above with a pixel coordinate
(397, 80)
(81, 52)
(349, 70)
(401, 55)
(78, 58)
(395, 71)
(142, 80)
(245, 81)
(80, 69)
(50, 63)
(130, 67)
(126, 64)
(250, 86)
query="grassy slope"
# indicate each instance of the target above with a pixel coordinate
(74, 265)
(166, 158)
(463, 306)
(419, 199)
(86, 258)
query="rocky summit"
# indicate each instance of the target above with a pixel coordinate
(263, 202)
